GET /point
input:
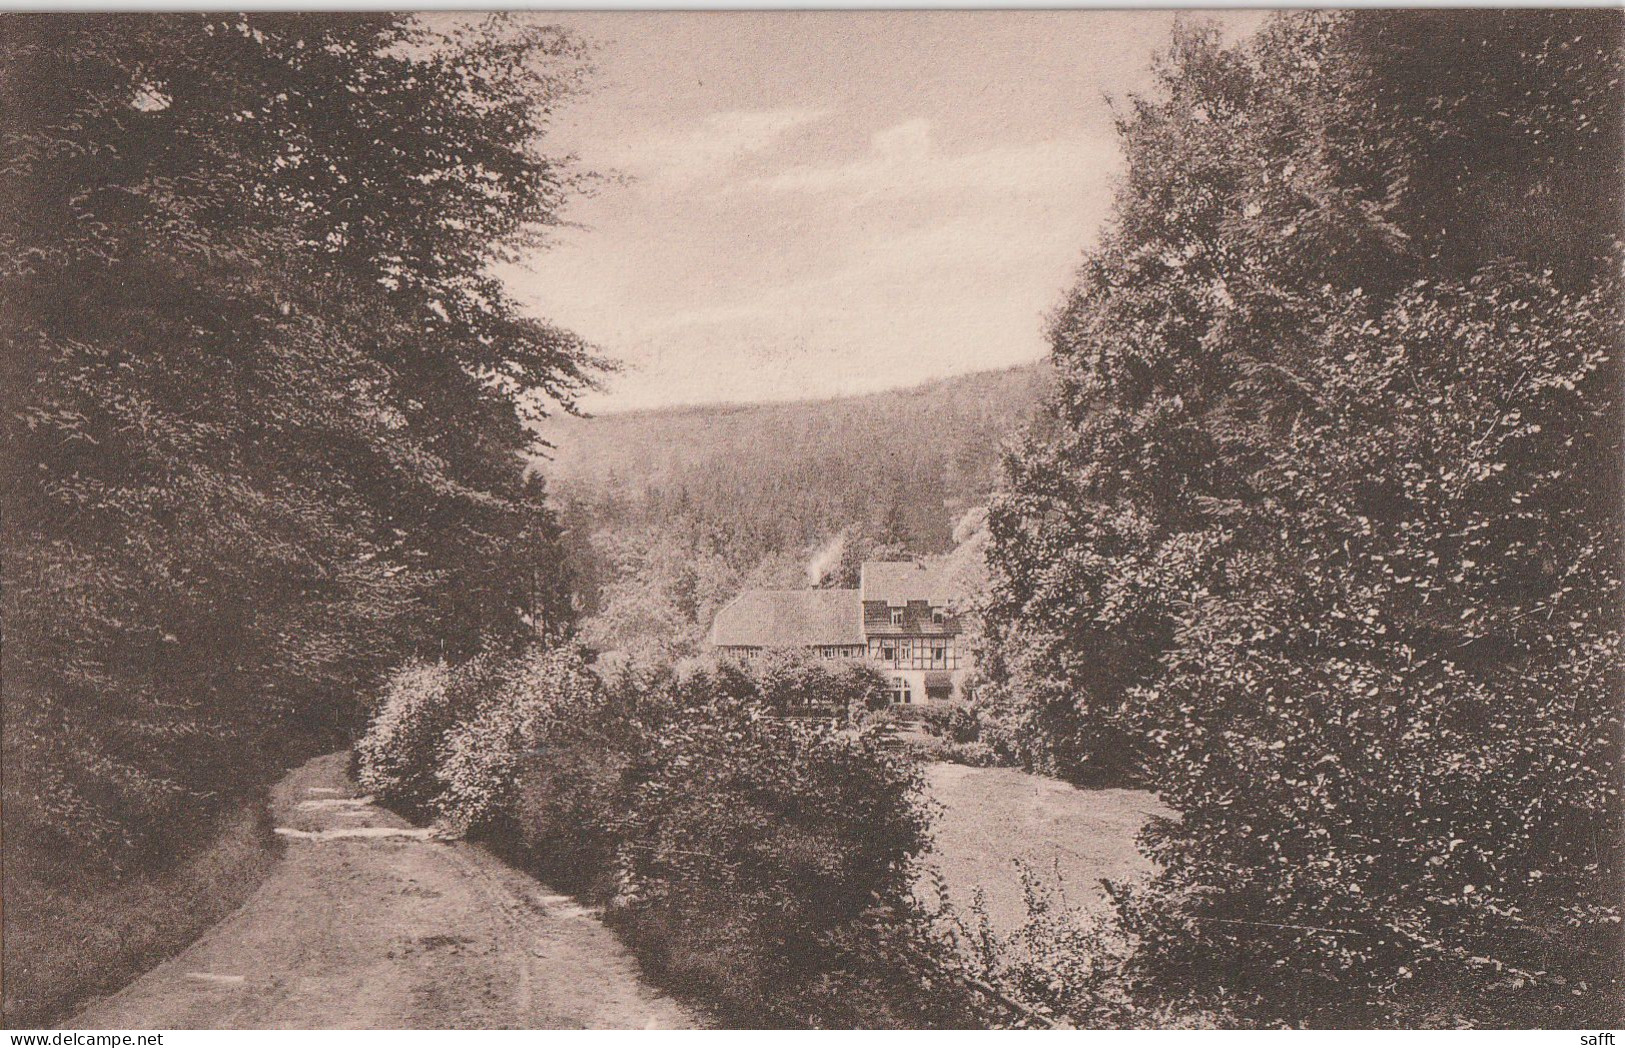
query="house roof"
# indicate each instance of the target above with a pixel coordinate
(789, 619)
(898, 582)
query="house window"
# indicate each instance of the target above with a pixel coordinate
(939, 654)
(939, 615)
(899, 691)
(888, 651)
(897, 616)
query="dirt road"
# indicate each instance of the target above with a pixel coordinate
(370, 923)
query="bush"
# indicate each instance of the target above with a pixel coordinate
(750, 846)
(954, 723)
(1068, 965)
(397, 758)
(569, 810)
(522, 705)
(975, 754)
(761, 865)
(792, 680)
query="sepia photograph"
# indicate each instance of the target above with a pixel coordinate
(1092, 519)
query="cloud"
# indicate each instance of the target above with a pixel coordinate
(903, 162)
(835, 277)
(714, 316)
(910, 140)
(868, 276)
(676, 160)
(822, 203)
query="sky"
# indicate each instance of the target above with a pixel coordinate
(814, 204)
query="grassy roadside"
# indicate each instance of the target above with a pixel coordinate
(70, 940)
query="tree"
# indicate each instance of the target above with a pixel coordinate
(264, 404)
(663, 589)
(853, 546)
(1324, 529)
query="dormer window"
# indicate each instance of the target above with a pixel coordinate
(897, 616)
(939, 615)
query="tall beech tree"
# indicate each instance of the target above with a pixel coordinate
(1322, 537)
(265, 404)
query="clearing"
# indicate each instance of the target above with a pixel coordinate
(995, 817)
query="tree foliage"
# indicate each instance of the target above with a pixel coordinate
(658, 591)
(1325, 531)
(264, 402)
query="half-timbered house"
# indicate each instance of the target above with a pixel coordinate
(896, 619)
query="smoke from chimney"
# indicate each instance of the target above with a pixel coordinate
(826, 559)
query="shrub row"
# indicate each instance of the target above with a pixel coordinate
(760, 865)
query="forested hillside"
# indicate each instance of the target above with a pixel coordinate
(667, 514)
(775, 476)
